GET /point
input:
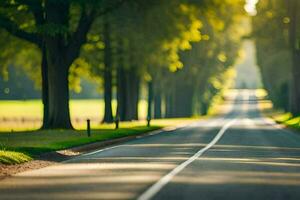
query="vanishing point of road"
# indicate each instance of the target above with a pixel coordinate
(239, 155)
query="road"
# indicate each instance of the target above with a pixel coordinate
(240, 155)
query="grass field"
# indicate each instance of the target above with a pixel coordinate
(27, 115)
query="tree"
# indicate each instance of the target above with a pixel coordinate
(294, 35)
(279, 55)
(108, 116)
(202, 76)
(60, 40)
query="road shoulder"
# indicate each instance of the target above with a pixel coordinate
(55, 157)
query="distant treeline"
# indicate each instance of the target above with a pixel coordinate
(18, 86)
(276, 29)
(182, 50)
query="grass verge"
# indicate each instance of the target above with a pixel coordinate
(279, 116)
(11, 157)
(33, 143)
(288, 120)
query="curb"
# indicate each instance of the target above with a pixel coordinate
(74, 152)
(66, 155)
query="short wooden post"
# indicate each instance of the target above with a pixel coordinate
(148, 121)
(88, 126)
(117, 121)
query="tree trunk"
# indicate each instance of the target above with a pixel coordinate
(107, 75)
(58, 63)
(59, 115)
(150, 99)
(132, 95)
(183, 101)
(136, 95)
(127, 87)
(294, 42)
(157, 105)
(128, 98)
(169, 105)
(121, 96)
(45, 89)
(203, 107)
(296, 84)
(58, 71)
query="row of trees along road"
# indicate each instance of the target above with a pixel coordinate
(277, 34)
(182, 49)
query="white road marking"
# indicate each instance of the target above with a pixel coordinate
(155, 188)
(138, 137)
(89, 154)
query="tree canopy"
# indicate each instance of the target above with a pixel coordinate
(277, 34)
(182, 51)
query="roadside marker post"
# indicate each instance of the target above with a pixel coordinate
(88, 126)
(148, 121)
(117, 121)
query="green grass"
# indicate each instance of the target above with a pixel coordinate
(11, 157)
(279, 116)
(15, 112)
(288, 119)
(33, 143)
(21, 140)
(20, 120)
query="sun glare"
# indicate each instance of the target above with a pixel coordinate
(250, 7)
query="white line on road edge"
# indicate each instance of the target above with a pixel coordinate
(152, 133)
(89, 154)
(154, 189)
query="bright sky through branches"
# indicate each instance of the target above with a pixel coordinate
(250, 7)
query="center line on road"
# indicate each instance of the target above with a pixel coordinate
(155, 188)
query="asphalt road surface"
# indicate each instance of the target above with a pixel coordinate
(240, 155)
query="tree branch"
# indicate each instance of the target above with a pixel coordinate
(84, 25)
(111, 8)
(11, 27)
(79, 36)
(37, 10)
